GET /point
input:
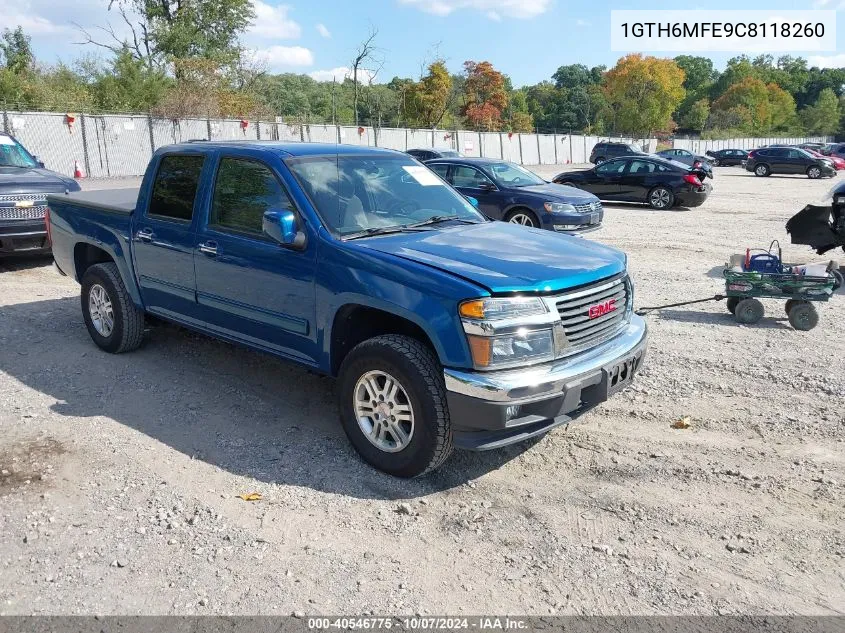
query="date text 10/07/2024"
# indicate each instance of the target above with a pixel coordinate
(480, 623)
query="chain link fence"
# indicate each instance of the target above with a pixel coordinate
(115, 145)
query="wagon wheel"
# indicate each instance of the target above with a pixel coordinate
(803, 316)
(749, 311)
(789, 304)
(732, 303)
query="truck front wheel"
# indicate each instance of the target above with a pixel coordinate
(392, 402)
(113, 321)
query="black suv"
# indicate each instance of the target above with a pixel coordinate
(788, 160)
(605, 151)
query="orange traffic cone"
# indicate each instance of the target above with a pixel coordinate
(77, 170)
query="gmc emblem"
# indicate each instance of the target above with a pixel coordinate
(600, 309)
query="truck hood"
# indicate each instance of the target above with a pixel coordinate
(561, 193)
(504, 257)
(33, 180)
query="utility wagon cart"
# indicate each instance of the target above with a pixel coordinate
(748, 278)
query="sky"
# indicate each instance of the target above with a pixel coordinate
(526, 39)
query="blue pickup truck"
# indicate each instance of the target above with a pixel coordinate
(444, 328)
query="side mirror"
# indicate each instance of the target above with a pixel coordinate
(473, 201)
(281, 226)
(487, 186)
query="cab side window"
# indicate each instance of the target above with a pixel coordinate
(243, 191)
(175, 187)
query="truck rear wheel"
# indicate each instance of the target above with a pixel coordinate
(392, 402)
(113, 321)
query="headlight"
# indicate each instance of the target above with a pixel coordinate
(558, 207)
(521, 348)
(495, 309)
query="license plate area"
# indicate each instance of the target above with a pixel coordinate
(594, 217)
(620, 375)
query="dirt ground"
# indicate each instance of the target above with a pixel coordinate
(119, 475)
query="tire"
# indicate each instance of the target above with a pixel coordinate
(127, 321)
(661, 198)
(762, 170)
(715, 162)
(732, 303)
(749, 311)
(814, 172)
(803, 316)
(789, 304)
(421, 388)
(523, 217)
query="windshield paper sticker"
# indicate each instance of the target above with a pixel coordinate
(423, 175)
(5, 140)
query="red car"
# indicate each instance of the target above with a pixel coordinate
(838, 163)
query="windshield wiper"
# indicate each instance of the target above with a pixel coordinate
(437, 219)
(382, 230)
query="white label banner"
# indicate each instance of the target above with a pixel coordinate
(741, 31)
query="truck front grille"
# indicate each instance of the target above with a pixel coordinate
(594, 313)
(37, 210)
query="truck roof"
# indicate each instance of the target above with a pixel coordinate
(284, 148)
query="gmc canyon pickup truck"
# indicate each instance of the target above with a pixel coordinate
(443, 328)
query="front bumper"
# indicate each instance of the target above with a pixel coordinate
(573, 222)
(493, 409)
(23, 237)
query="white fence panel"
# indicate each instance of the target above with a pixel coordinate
(548, 149)
(419, 139)
(322, 134)
(510, 147)
(351, 135)
(469, 143)
(50, 138)
(392, 138)
(117, 145)
(530, 149)
(491, 145)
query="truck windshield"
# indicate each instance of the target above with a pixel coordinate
(358, 194)
(12, 154)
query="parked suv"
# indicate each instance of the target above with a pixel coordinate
(24, 185)
(788, 160)
(429, 154)
(604, 151)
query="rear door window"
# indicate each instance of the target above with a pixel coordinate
(175, 187)
(611, 167)
(441, 169)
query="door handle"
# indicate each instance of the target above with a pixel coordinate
(145, 235)
(209, 248)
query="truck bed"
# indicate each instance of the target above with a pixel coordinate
(112, 200)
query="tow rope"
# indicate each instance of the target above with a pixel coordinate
(645, 311)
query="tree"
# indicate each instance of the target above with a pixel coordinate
(695, 117)
(161, 31)
(430, 96)
(699, 73)
(519, 119)
(485, 95)
(749, 99)
(643, 92)
(366, 52)
(782, 108)
(823, 116)
(129, 85)
(16, 49)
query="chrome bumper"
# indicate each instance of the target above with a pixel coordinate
(535, 383)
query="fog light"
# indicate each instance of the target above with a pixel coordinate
(512, 412)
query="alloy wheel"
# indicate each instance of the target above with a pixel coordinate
(100, 309)
(384, 411)
(522, 218)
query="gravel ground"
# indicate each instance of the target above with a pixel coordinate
(119, 475)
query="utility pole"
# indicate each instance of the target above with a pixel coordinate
(334, 112)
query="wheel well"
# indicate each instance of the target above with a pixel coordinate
(354, 324)
(85, 256)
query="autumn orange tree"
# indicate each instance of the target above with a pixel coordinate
(643, 92)
(485, 96)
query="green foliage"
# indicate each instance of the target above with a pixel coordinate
(695, 116)
(16, 49)
(823, 116)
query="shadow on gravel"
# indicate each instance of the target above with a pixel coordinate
(701, 316)
(239, 410)
(24, 262)
(643, 207)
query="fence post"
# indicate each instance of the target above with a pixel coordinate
(519, 138)
(501, 147)
(406, 139)
(208, 127)
(258, 129)
(479, 143)
(152, 136)
(338, 134)
(5, 119)
(302, 132)
(539, 152)
(571, 155)
(85, 158)
(375, 136)
(554, 140)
